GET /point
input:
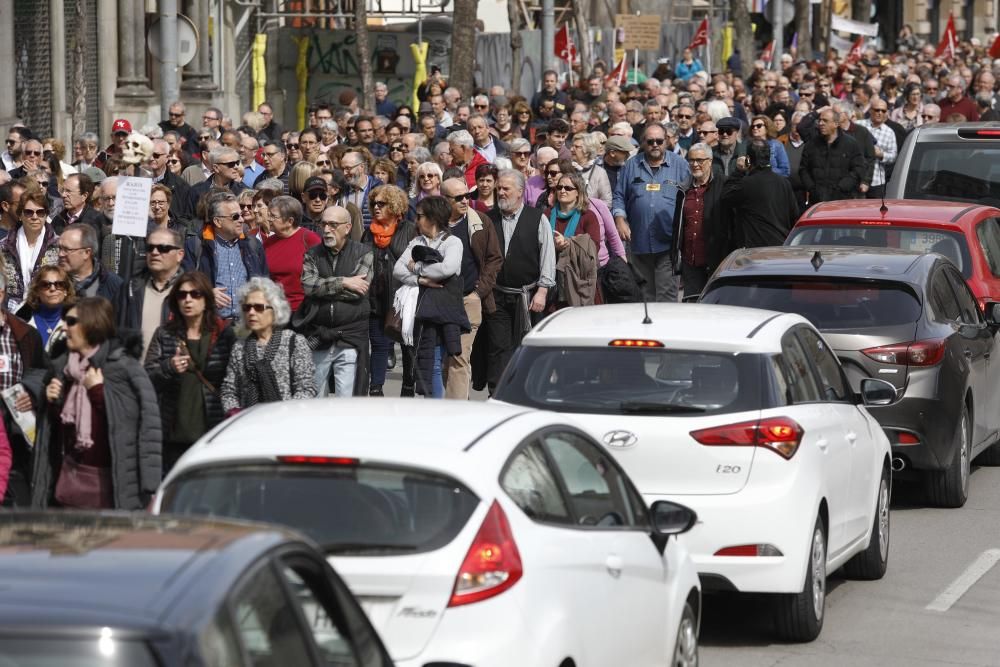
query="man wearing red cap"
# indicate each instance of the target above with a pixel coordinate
(120, 129)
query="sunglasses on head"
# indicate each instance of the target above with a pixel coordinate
(162, 248)
(255, 307)
(317, 194)
(195, 294)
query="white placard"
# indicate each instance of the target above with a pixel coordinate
(132, 206)
(854, 27)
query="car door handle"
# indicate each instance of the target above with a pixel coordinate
(614, 565)
(852, 436)
(822, 444)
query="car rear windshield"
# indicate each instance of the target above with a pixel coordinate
(615, 380)
(103, 651)
(916, 239)
(828, 304)
(955, 171)
(348, 509)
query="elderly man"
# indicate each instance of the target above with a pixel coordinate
(176, 122)
(956, 101)
(885, 146)
(761, 200)
(226, 173)
(77, 191)
(729, 147)
(272, 130)
(157, 165)
(616, 151)
(359, 184)
(481, 261)
(930, 114)
(78, 253)
(248, 154)
(536, 185)
(383, 105)
(485, 143)
(527, 273)
(465, 156)
(708, 134)
(31, 158)
(144, 297)
(336, 276)
(276, 165)
(832, 165)
(684, 117)
(645, 205)
(704, 238)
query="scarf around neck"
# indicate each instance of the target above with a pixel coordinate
(77, 409)
(263, 385)
(382, 233)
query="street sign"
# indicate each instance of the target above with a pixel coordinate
(641, 32)
(187, 40)
(132, 206)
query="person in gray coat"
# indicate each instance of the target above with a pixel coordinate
(99, 439)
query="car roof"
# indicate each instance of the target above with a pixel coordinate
(679, 325)
(867, 212)
(85, 569)
(819, 261)
(950, 130)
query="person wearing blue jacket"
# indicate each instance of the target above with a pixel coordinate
(646, 203)
(762, 128)
(688, 66)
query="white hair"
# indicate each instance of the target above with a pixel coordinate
(717, 110)
(462, 138)
(274, 295)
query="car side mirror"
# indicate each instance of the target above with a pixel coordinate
(671, 518)
(992, 312)
(875, 392)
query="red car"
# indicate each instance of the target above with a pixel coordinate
(967, 234)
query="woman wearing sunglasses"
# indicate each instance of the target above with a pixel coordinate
(273, 363)
(577, 239)
(99, 440)
(187, 361)
(762, 129)
(32, 245)
(50, 292)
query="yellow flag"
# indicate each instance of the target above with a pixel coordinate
(420, 72)
(259, 70)
(302, 74)
(727, 44)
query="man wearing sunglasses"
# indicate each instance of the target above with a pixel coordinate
(12, 156)
(315, 199)
(645, 204)
(157, 165)
(31, 157)
(144, 298)
(227, 172)
(176, 122)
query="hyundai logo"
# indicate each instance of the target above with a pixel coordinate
(620, 439)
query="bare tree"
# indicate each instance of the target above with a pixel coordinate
(79, 82)
(583, 37)
(516, 43)
(743, 32)
(463, 46)
(364, 56)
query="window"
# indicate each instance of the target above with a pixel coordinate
(267, 624)
(966, 301)
(834, 388)
(798, 375)
(988, 232)
(529, 482)
(219, 647)
(958, 170)
(598, 492)
(943, 298)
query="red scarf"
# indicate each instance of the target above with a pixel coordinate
(383, 232)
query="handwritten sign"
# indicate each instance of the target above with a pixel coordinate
(641, 32)
(132, 206)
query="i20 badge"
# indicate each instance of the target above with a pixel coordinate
(620, 439)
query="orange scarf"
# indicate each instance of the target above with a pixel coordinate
(382, 233)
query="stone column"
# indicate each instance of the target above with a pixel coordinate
(198, 73)
(132, 81)
(8, 88)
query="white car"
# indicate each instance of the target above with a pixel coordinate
(742, 414)
(472, 534)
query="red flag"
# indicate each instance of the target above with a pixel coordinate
(701, 36)
(617, 75)
(948, 41)
(995, 49)
(564, 48)
(768, 53)
(857, 50)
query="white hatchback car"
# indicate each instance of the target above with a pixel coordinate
(743, 414)
(472, 534)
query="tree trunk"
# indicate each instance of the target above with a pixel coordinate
(516, 43)
(861, 10)
(583, 49)
(463, 46)
(743, 33)
(802, 28)
(364, 56)
(79, 112)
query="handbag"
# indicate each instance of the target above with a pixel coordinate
(393, 325)
(83, 486)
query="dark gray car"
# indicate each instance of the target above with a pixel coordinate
(903, 317)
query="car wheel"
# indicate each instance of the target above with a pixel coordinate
(686, 648)
(871, 563)
(950, 487)
(799, 616)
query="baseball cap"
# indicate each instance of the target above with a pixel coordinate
(315, 183)
(623, 144)
(121, 125)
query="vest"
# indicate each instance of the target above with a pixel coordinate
(348, 320)
(470, 270)
(522, 265)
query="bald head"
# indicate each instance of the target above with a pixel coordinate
(456, 187)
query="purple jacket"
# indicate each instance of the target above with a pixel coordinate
(533, 188)
(612, 242)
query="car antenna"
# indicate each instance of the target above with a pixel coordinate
(883, 209)
(645, 308)
(817, 260)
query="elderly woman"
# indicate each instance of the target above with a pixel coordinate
(273, 363)
(327, 135)
(32, 245)
(293, 148)
(187, 361)
(99, 440)
(431, 266)
(389, 234)
(426, 181)
(585, 151)
(520, 157)
(762, 127)
(571, 216)
(50, 292)
(286, 247)
(159, 209)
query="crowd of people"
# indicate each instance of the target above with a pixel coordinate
(293, 263)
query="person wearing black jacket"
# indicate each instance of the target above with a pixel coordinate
(832, 165)
(77, 191)
(761, 202)
(704, 238)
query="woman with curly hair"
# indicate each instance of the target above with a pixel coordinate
(50, 293)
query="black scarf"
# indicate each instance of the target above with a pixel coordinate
(263, 385)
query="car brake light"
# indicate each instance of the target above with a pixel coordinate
(634, 342)
(779, 434)
(766, 550)
(492, 564)
(917, 353)
(318, 460)
(908, 438)
(988, 133)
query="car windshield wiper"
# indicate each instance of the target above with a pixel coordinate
(344, 547)
(654, 407)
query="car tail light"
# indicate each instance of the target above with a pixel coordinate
(492, 564)
(908, 438)
(779, 434)
(634, 342)
(764, 550)
(918, 353)
(318, 460)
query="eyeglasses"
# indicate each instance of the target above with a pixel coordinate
(324, 163)
(205, 137)
(175, 115)
(684, 116)
(696, 160)
(43, 184)
(35, 153)
(874, 110)
(235, 217)
(400, 149)
(333, 224)
(63, 250)
(34, 213)
(11, 142)
(379, 203)
(292, 147)
(317, 194)
(655, 142)
(53, 284)
(68, 193)
(71, 320)
(459, 198)
(210, 118)
(159, 155)
(256, 307)
(173, 161)
(926, 117)
(758, 126)
(162, 248)
(428, 177)
(228, 164)
(566, 188)
(521, 153)
(158, 203)
(707, 132)
(195, 294)
(805, 94)
(481, 106)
